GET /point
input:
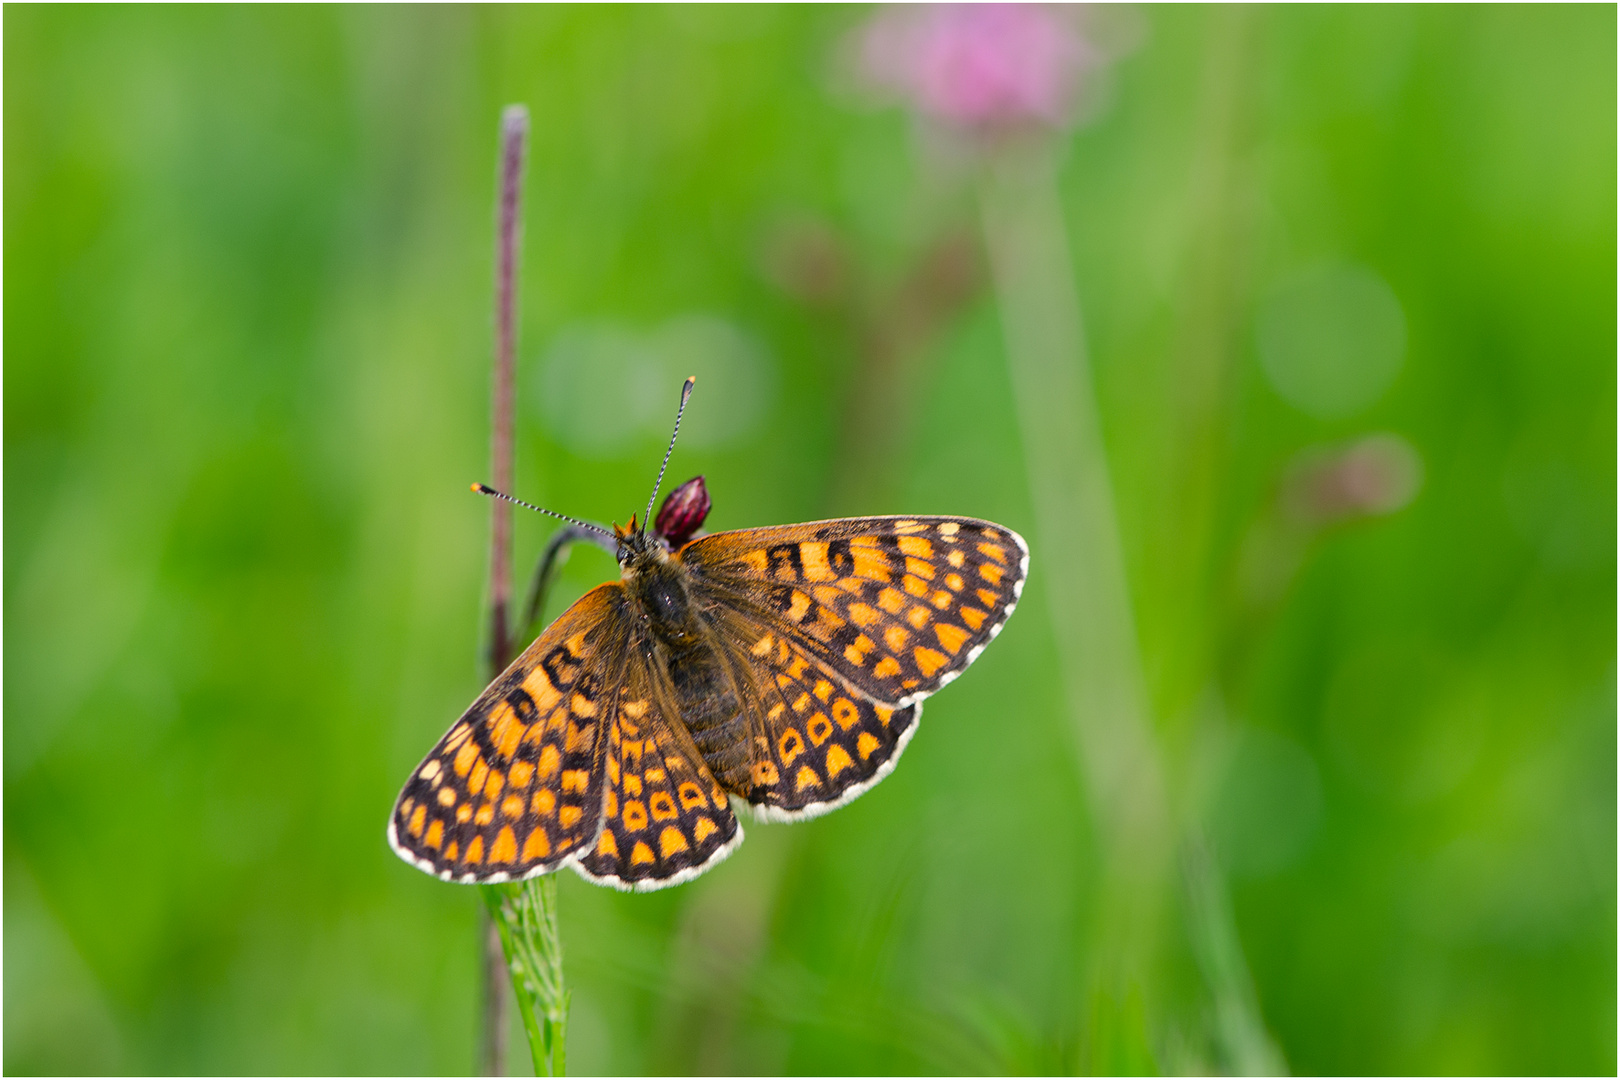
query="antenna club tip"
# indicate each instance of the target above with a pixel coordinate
(480, 489)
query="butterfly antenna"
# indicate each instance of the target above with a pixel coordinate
(485, 489)
(686, 394)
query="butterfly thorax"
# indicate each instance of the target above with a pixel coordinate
(657, 584)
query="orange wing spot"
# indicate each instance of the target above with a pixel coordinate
(952, 637)
(576, 644)
(987, 598)
(464, 812)
(475, 783)
(580, 738)
(704, 829)
(512, 806)
(465, 757)
(823, 689)
(973, 617)
(756, 561)
(656, 776)
(918, 568)
(801, 703)
(863, 615)
(806, 778)
(891, 601)
(418, 819)
(522, 773)
(845, 712)
(928, 661)
(918, 617)
(504, 849)
(797, 668)
(545, 696)
(813, 557)
(887, 668)
(908, 526)
(641, 854)
(457, 736)
(916, 545)
(762, 647)
(765, 773)
(884, 714)
(635, 816)
(776, 710)
(991, 573)
(870, 563)
(692, 795)
(575, 780)
(579, 705)
(855, 652)
(798, 606)
(790, 744)
(895, 637)
(914, 585)
(485, 815)
(544, 802)
(948, 528)
(475, 851)
(447, 797)
(569, 816)
(672, 840)
(956, 559)
(435, 834)
(406, 807)
(995, 551)
(955, 582)
(452, 851)
(431, 770)
(632, 748)
(908, 684)
(818, 728)
(606, 845)
(610, 804)
(635, 710)
(837, 760)
(492, 786)
(867, 744)
(613, 768)
(538, 845)
(550, 761)
(506, 731)
(942, 599)
(662, 806)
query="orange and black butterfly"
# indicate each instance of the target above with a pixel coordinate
(783, 667)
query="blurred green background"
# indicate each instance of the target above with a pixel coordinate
(247, 294)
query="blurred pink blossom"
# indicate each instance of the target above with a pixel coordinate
(979, 66)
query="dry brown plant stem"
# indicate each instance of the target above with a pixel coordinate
(508, 235)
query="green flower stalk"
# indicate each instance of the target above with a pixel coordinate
(525, 915)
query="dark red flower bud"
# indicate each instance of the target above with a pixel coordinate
(682, 513)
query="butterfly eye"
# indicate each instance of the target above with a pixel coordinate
(682, 513)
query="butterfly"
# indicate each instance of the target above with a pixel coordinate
(780, 668)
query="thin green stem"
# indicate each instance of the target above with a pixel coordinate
(526, 915)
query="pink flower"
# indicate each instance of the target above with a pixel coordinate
(979, 67)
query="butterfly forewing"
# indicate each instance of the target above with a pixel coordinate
(896, 607)
(515, 787)
(665, 818)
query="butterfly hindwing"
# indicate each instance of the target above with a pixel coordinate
(815, 741)
(515, 788)
(665, 819)
(896, 607)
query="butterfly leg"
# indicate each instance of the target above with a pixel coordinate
(546, 570)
